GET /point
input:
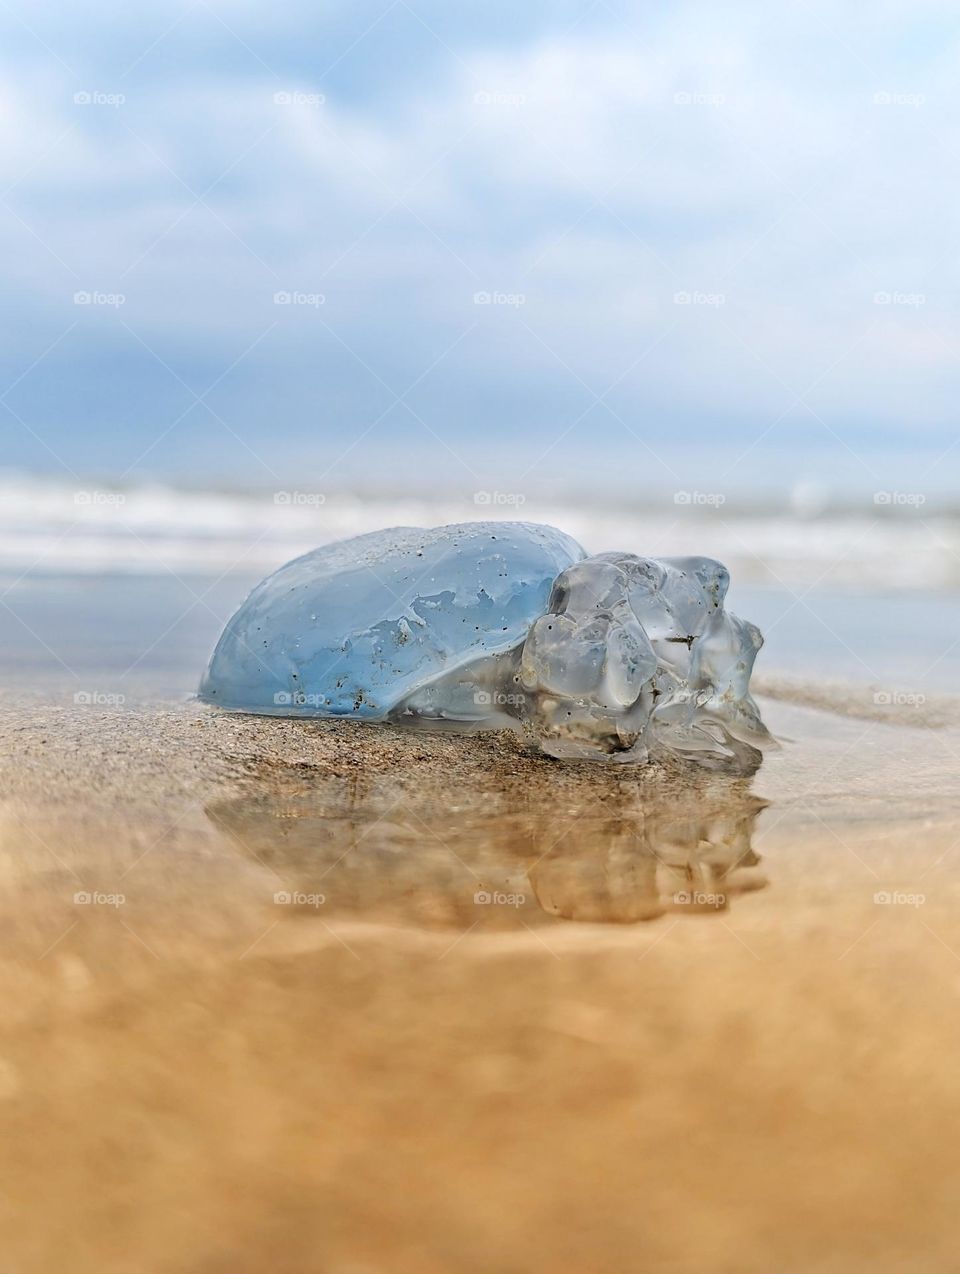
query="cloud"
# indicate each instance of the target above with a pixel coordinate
(699, 209)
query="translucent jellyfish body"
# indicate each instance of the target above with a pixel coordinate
(493, 624)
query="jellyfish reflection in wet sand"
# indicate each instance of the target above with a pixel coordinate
(526, 855)
(484, 625)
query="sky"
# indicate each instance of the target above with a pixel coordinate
(414, 241)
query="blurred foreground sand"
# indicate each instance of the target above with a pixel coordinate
(376, 1001)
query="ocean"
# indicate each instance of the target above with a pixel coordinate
(123, 592)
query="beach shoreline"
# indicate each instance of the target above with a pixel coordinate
(695, 1044)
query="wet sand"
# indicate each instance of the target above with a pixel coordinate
(314, 997)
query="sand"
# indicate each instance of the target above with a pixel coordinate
(351, 999)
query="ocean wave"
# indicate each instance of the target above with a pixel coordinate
(49, 527)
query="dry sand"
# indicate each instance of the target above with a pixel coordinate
(356, 1000)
